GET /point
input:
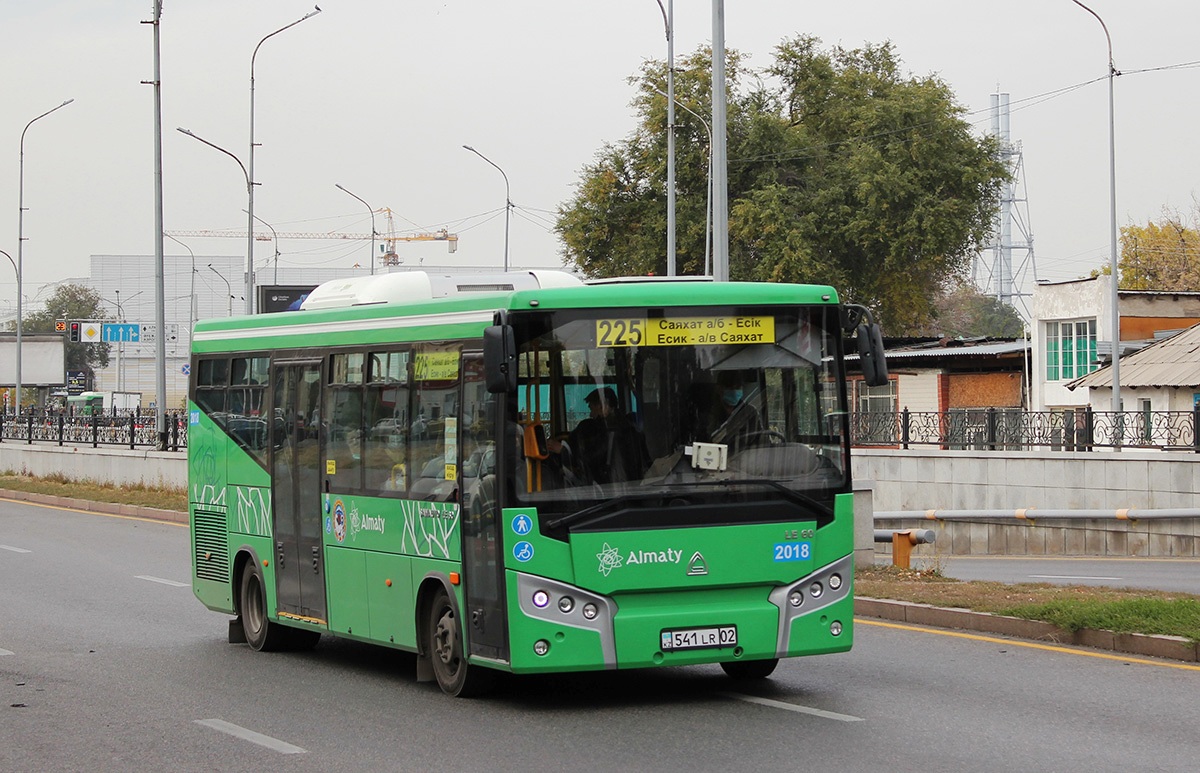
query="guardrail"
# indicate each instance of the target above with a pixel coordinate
(130, 430)
(1032, 513)
(1003, 429)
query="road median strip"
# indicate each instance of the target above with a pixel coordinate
(1170, 647)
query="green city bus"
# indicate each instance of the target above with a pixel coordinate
(527, 473)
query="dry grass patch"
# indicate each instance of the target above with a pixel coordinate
(60, 485)
(1125, 610)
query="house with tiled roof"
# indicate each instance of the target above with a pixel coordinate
(1164, 376)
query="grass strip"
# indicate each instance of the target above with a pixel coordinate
(164, 498)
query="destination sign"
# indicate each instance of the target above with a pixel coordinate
(685, 331)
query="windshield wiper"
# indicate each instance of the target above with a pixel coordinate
(791, 495)
(599, 509)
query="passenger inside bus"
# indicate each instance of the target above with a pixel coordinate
(606, 447)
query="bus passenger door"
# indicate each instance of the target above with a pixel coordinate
(296, 490)
(482, 568)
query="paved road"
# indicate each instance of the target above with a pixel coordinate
(1181, 575)
(108, 663)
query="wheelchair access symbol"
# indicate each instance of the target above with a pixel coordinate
(522, 524)
(522, 551)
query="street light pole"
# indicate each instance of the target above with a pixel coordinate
(250, 176)
(14, 265)
(1114, 297)
(507, 199)
(669, 22)
(368, 206)
(192, 291)
(719, 152)
(21, 241)
(228, 288)
(708, 194)
(274, 241)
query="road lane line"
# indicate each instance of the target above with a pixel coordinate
(15, 550)
(172, 583)
(1027, 644)
(792, 707)
(1071, 577)
(6, 652)
(274, 744)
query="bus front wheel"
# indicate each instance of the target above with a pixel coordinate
(450, 667)
(750, 669)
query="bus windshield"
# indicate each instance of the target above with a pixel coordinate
(701, 404)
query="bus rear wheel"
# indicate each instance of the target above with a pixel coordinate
(450, 667)
(262, 634)
(750, 669)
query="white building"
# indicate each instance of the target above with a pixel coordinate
(1072, 331)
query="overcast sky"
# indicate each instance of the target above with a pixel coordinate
(380, 96)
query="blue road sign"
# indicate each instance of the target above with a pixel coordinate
(125, 332)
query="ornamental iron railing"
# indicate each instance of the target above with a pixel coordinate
(1005, 429)
(131, 430)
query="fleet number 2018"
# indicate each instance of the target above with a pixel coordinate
(793, 551)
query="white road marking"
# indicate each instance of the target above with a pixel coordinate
(792, 707)
(15, 550)
(274, 744)
(6, 652)
(1071, 577)
(172, 583)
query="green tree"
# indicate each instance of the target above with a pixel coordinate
(964, 312)
(1161, 255)
(842, 171)
(72, 302)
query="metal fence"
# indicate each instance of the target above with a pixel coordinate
(131, 430)
(982, 429)
(1004, 429)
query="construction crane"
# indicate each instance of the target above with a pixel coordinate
(390, 258)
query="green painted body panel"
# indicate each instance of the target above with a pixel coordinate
(387, 525)
(391, 606)
(655, 592)
(346, 583)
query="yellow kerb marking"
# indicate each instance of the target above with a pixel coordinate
(1029, 645)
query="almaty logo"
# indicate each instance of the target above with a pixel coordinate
(610, 558)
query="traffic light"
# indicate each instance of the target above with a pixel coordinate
(74, 332)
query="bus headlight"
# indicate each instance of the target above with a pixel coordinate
(541, 599)
(796, 598)
(566, 604)
(835, 581)
(835, 628)
(590, 611)
(816, 589)
(541, 647)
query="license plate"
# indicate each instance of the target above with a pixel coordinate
(700, 638)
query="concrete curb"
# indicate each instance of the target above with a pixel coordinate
(1169, 647)
(108, 508)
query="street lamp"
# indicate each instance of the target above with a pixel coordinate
(21, 240)
(249, 187)
(720, 154)
(18, 273)
(507, 200)
(274, 241)
(192, 302)
(228, 288)
(250, 176)
(368, 206)
(669, 23)
(1112, 200)
(708, 199)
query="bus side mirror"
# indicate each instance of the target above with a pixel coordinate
(870, 354)
(499, 359)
